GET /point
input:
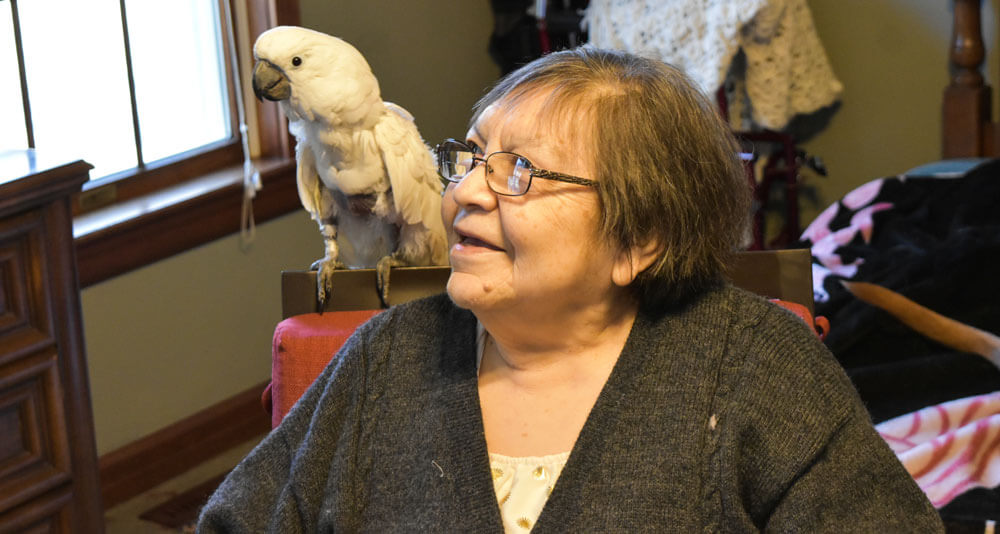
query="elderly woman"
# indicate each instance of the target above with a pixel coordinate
(588, 370)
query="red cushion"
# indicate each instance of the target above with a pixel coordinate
(819, 324)
(301, 348)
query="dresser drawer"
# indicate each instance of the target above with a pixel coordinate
(25, 314)
(34, 447)
(52, 513)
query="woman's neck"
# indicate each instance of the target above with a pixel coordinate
(538, 381)
(524, 342)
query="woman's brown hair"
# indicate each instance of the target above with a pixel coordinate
(668, 166)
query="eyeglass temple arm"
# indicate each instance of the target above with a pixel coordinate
(552, 175)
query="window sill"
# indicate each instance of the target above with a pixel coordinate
(132, 234)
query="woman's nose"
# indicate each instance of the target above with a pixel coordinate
(473, 190)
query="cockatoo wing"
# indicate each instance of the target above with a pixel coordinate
(400, 110)
(416, 190)
(307, 179)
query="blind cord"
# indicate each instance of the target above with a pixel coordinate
(251, 176)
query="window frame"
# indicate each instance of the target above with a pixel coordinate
(194, 198)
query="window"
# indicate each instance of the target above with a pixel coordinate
(124, 101)
(143, 91)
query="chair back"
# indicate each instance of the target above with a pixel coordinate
(775, 274)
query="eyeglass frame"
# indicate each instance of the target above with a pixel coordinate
(533, 172)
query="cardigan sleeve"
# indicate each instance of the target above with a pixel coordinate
(807, 457)
(307, 464)
(855, 484)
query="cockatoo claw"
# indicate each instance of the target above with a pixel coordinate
(324, 268)
(382, 270)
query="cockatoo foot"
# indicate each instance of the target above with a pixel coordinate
(324, 268)
(382, 269)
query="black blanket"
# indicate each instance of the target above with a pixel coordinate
(937, 241)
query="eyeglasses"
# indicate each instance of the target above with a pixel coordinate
(507, 173)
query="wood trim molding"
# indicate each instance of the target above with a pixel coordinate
(210, 210)
(156, 176)
(166, 453)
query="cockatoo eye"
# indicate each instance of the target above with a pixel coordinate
(296, 61)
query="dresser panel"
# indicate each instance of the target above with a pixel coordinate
(34, 449)
(25, 316)
(52, 513)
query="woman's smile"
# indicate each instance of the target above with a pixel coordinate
(468, 242)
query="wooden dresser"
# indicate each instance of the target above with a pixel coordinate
(48, 457)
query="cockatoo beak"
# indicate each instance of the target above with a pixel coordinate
(270, 83)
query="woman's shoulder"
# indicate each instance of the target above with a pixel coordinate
(764, 325)
(727, 308)
(778, 369)
(746, 343)
(425, 314)
(405, 335)
(763, 354)
(786, 414)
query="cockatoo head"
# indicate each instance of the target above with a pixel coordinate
(315, 76)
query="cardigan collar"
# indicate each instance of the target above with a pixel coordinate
(673, 359)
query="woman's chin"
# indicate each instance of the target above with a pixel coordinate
(472, 292)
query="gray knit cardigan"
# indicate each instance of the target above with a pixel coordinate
(728, 415)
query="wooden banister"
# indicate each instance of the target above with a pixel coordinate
(967, 50)
(967, 123)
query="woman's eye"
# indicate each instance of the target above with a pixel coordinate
(466, 161)
(475, 148)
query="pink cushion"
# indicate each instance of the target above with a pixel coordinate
(301, 348)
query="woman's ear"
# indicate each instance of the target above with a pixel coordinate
(632, 261)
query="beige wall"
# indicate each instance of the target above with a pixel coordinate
(178, 336)
(175, 337)
(891, 56)
(429, 55)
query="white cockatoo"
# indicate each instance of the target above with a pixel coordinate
(364, 172)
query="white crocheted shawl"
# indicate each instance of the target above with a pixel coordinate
(786, 73)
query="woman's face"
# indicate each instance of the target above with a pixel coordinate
(536, 253)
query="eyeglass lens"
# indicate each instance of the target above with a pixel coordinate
(512, 169)
(455, 161)
(506, 173)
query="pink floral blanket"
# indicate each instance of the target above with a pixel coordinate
(951, 447)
